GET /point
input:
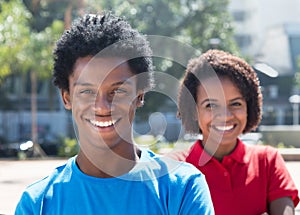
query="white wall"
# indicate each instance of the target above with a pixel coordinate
(265, 17)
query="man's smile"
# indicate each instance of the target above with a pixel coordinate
(103, 124)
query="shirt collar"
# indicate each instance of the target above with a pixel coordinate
(239, 153)
(199, 157)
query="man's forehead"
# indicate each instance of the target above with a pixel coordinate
(90, 63)
(96, 71)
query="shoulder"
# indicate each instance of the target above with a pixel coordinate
(32, 198)
(186, 186)
(263, 151)
(183, 154)
(174, 169)
(179, 155)
(267, 158)
(38, 189)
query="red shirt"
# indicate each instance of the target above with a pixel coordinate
(246, 180)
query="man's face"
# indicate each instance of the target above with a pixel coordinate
(103, 98)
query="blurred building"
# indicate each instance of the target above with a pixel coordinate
(268, 31)
(16, 114)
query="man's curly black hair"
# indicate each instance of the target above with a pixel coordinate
(109, 35)
(221, 64)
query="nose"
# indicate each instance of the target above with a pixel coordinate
(223, 113)
(102, 104)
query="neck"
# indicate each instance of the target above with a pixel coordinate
(108, 163)
(218, 150)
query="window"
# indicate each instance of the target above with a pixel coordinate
(243, 40)
(239, 16)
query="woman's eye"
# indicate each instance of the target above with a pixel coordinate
(120, 91)
(236, 104)
(211, 106)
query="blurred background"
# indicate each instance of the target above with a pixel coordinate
(34, 123)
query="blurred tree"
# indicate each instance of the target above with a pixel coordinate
(44, 12)
(21, 48)
(24, 50)
(297, 74)
(14, 36)
(38, 61)
(202, 24)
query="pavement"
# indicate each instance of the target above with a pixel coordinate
(15, 175)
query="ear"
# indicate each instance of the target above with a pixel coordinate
(65, 95)
(140, 99)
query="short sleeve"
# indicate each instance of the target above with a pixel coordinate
(24, 206)
(197, 199)
(281, 183)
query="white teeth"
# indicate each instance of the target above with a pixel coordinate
(224, 128)
(103, 124)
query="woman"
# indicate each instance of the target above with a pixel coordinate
(220, 98)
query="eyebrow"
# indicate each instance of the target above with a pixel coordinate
(238, 98)
(208, 100)
(125, 82)
(214, 100)
(81, 84)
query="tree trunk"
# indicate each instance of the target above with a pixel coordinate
(68, 15)
(37, 150)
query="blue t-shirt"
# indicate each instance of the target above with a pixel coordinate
(156, 185)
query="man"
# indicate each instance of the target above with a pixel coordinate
(103, 68)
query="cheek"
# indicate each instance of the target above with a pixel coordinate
(204, 118)
(83, 99)
(126, 107)
(123, 105)
(241, 114)
(80, 107)
(76, 112)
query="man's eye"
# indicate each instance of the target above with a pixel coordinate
(86, 92)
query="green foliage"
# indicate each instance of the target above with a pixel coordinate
(191, 21)
(14, 36)
(44, 12)
(22, 49)
(154, 143)
(37, 55)
(69, 148)
(282, 145)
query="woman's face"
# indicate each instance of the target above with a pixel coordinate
(222, 111)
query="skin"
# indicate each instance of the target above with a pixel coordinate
(103, 99)
(282, 206)
(222, 117)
